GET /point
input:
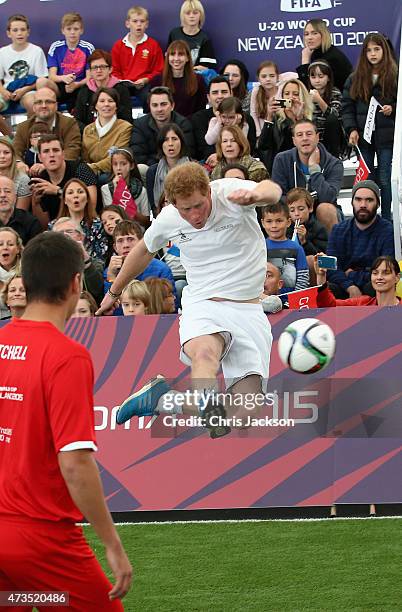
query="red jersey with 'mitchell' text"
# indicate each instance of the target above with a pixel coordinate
(46, 406)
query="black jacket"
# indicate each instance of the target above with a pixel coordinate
(316, 238)
(83, 105)
(145, 133)
(354, 113)
(340, 64)
(274, 138)
(200, 122)
(26, 225)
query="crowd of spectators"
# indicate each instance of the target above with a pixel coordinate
(97, 175)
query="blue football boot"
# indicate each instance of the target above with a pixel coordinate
(144, 401)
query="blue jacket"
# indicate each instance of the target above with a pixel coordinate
(326, 183)
(357, 249)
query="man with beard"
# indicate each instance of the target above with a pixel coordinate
(357, 242)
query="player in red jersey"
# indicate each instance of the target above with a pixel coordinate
(48, 474)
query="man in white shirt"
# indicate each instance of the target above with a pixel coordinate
(223, 252)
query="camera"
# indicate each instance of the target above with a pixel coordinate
(284, 103)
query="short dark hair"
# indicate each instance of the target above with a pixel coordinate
(49, 263)
(17, 17)
(110, 91)
(219, 79)
(160, 91)
(46, 138)
(391, 264)
(100, 54)
(236, 166)
(160, 139)
(127, 228)
(278, 207)
(300, 121)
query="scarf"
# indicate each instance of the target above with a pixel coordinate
(92, 86)
(161, 172)
(102, 131)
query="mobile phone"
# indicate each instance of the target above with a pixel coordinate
(33, 181)
(284, 103)
(327, 262)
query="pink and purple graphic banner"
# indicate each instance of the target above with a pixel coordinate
(345, 447)
(251, 32)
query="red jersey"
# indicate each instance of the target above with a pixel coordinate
(326, 298)
(145, 60)
(46, 406)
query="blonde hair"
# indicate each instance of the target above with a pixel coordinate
(239, 137)
(182, 181)
(192, 5)
(13, 170)
(305, 99)
(4, 291)
(320, 26)
(137, 290)
(17, 263)
(137, 10)
(70, 18)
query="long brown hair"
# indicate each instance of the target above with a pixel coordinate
(190, 78)
(64, 212)
(362, 81)
(261, 99)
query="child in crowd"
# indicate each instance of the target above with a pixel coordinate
(192, 18)
(268, 76)
(137, 58)
(287, 255)
(327, 105)
(67, 59)
(162, 296)
(236, 171)
(124, 166)
(110, 217)
(229, 112)
(21, 64)
(376, 77)
(37, 129)
(135, 299)
(86, 305)
(311, 234)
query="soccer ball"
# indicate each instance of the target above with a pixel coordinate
(307, 346)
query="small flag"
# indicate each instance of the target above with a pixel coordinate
(369, 126)
(304, 298)
(362, 170)
(123, 198)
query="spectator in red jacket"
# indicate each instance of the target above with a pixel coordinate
(137, 58)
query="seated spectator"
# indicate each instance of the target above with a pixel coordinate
(21, 63)
(146, 128)
(75, 204)
(229, 112)
(135, 299)
(31, 155)
(86, 306)
(100, 75)
(8, 167)
(327, 106)
(67, 59)
(124, 167)
(192, 18)
(358, 241)
(13, 296)
(137, 58)
(308, 164)
(273, 282)
(107, 131)
(276, 135)
(384, 276)
(311, 234)
(162, 299)
(187, 87)
(237, 74)
(21, 221)
(233, 147)
(93, 268)
(10, 261)
(110, 217)
(235, 171)
(171, 149)
(126, 234)
(47, 188)
(286, 254)
(65, 128)
(218, 90)
(260, 96)
(318, 46)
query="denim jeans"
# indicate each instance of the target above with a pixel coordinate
(382, 176)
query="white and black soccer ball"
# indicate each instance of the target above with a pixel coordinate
(307, 346)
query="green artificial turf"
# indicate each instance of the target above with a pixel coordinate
(332, 565)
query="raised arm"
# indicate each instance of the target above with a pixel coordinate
(265, 192)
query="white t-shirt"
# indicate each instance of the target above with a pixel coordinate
(227, 257)
(18, 64)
